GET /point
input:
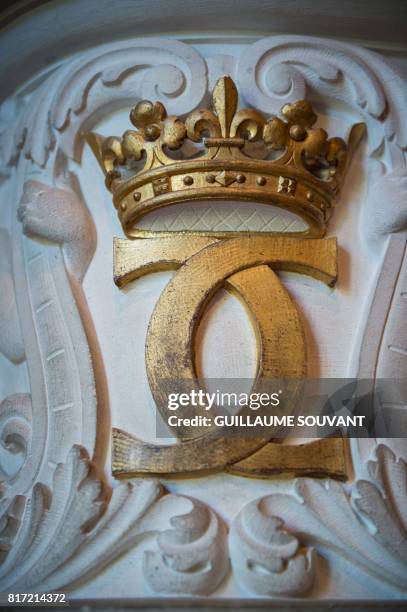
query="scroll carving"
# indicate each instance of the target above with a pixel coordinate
(267, 559)
(192, 557)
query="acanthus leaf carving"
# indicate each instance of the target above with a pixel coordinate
(77, 497)
(384, 501)
(267, 559)
(61, 537)
(11, 512)
(325, 515)
(64, 533)
(192, 556)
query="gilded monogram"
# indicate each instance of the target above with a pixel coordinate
(305, 179)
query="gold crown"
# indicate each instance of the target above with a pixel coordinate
(304, 176)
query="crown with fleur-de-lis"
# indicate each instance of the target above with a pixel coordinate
(304, 175)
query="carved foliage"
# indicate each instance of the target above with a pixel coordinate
(267, 559)
(324, 515)
(44, 541)
(192, 556)
(287, 68)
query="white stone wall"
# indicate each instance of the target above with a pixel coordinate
(72, 344)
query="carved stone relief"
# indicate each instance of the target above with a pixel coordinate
(65, 525)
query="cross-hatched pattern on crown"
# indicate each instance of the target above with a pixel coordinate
(222, 217)
(304, 178)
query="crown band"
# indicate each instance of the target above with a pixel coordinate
(219, 181)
